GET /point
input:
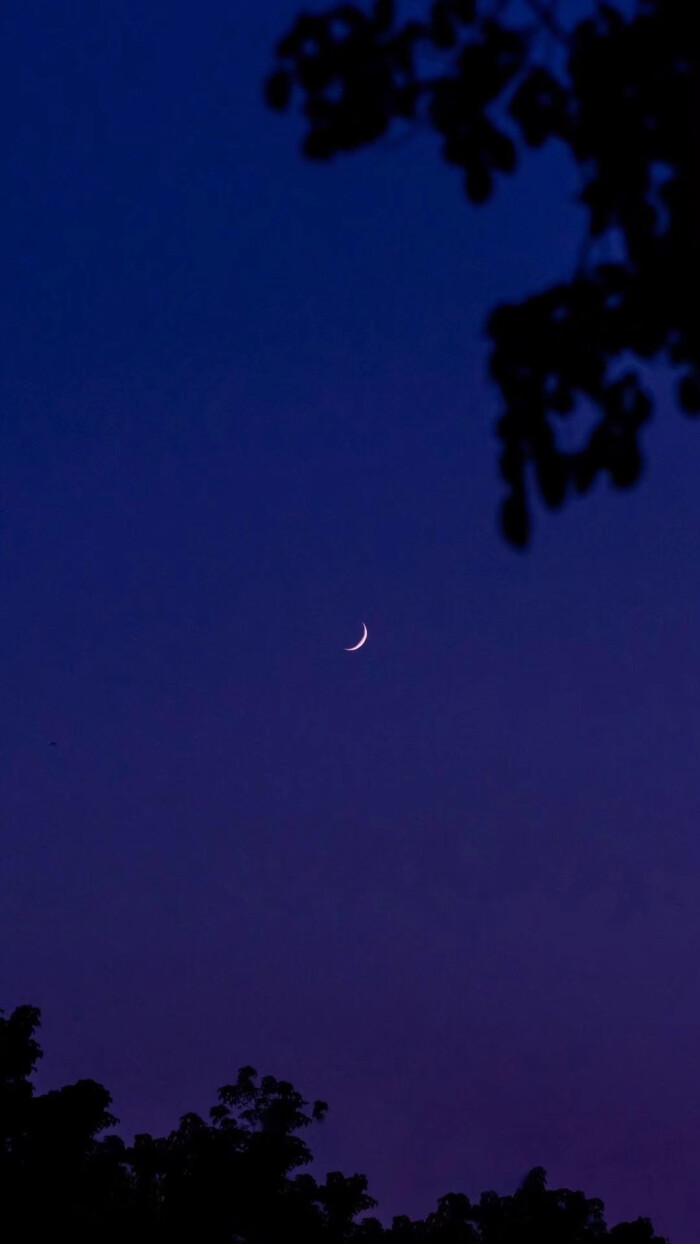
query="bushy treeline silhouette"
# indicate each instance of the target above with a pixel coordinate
(233, 1179)
(621, 92)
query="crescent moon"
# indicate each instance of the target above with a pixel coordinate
(362, 641)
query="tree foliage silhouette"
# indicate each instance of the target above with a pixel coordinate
(231, 1179)
(622, 93)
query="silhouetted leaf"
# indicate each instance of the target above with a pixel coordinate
(515, 522)
(278, 90)
(478, 181)
(689, 393)
(539, 106)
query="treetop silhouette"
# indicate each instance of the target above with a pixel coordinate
(231, 1179)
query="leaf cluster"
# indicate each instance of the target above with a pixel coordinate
(621, 98)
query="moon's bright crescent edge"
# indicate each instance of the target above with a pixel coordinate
(362, 641)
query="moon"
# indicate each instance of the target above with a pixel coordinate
(362, 641)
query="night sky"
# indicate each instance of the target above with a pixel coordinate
(448, 882)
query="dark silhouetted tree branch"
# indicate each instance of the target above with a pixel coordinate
(624, 99)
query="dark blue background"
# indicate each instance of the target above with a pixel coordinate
(449, 882)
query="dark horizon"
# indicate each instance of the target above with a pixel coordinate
(447, 883)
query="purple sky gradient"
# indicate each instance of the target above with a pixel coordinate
(448, 883)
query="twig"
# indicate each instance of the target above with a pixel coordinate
(545, 13)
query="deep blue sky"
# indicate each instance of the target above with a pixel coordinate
(448, 883)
